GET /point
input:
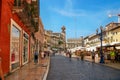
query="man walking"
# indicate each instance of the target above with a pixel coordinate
(93, 56)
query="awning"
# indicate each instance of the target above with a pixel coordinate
(115, 43)
(103, 45)
(117, 47)
(91, 48)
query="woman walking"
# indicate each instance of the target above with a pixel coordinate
(36, 57)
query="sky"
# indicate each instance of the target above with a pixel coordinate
(80, 17)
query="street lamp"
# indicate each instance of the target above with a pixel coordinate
(101, 51)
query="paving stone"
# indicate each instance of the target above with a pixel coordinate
(61, 68)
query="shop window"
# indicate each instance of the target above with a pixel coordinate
(15, 42)
(25, 48)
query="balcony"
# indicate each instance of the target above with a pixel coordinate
(28, 13)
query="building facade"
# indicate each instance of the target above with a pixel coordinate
(39, 37)
(47, 40)
(74, 42)
(17, 23)
(55, 40)
(113, 33)
(110, 37)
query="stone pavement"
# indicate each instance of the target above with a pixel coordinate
(115, 65)
(31, 71)
(64, 68)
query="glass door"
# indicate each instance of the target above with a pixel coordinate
(25, 49)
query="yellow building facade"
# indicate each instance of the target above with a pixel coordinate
(113, 33)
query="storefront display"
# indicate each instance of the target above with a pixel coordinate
(15, 47)
(25, 48)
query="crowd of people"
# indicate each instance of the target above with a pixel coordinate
(111, 55)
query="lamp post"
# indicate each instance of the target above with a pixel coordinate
(101, 51)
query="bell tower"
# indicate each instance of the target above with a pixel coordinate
(64, 36)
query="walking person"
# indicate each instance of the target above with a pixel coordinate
(82, 56)
(93, 56)
(69, 55)
(36, 57)
(42, 55)
(116, 55)
(112, 56)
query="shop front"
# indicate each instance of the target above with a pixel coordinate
(19, 46)
(15, 46)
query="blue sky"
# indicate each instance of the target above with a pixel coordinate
(80, 17)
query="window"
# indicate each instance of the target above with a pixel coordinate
(116, 40)
(113, 33)
(17, 2)
(15, 47)
(25, 48)
(111, 39)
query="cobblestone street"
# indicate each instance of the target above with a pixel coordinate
(62, 68)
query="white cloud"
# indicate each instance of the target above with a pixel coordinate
(113, 12)
(68, 10)
(69, 13)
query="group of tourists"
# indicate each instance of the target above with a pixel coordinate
(112, 55)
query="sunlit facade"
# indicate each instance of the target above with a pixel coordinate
(74, 42)
(17, 24)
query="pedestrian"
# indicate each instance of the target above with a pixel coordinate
(93, 56)
(67, 54)
(42, 54)
(112, 56)
(36, 57)
(45, 53)
(53, 53)
(96, 56)
(82, 56)
(70, 55)
(116, 55)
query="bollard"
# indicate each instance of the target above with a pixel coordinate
(1, 72)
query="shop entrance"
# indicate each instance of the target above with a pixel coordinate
(15, 47)
(25, 49)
